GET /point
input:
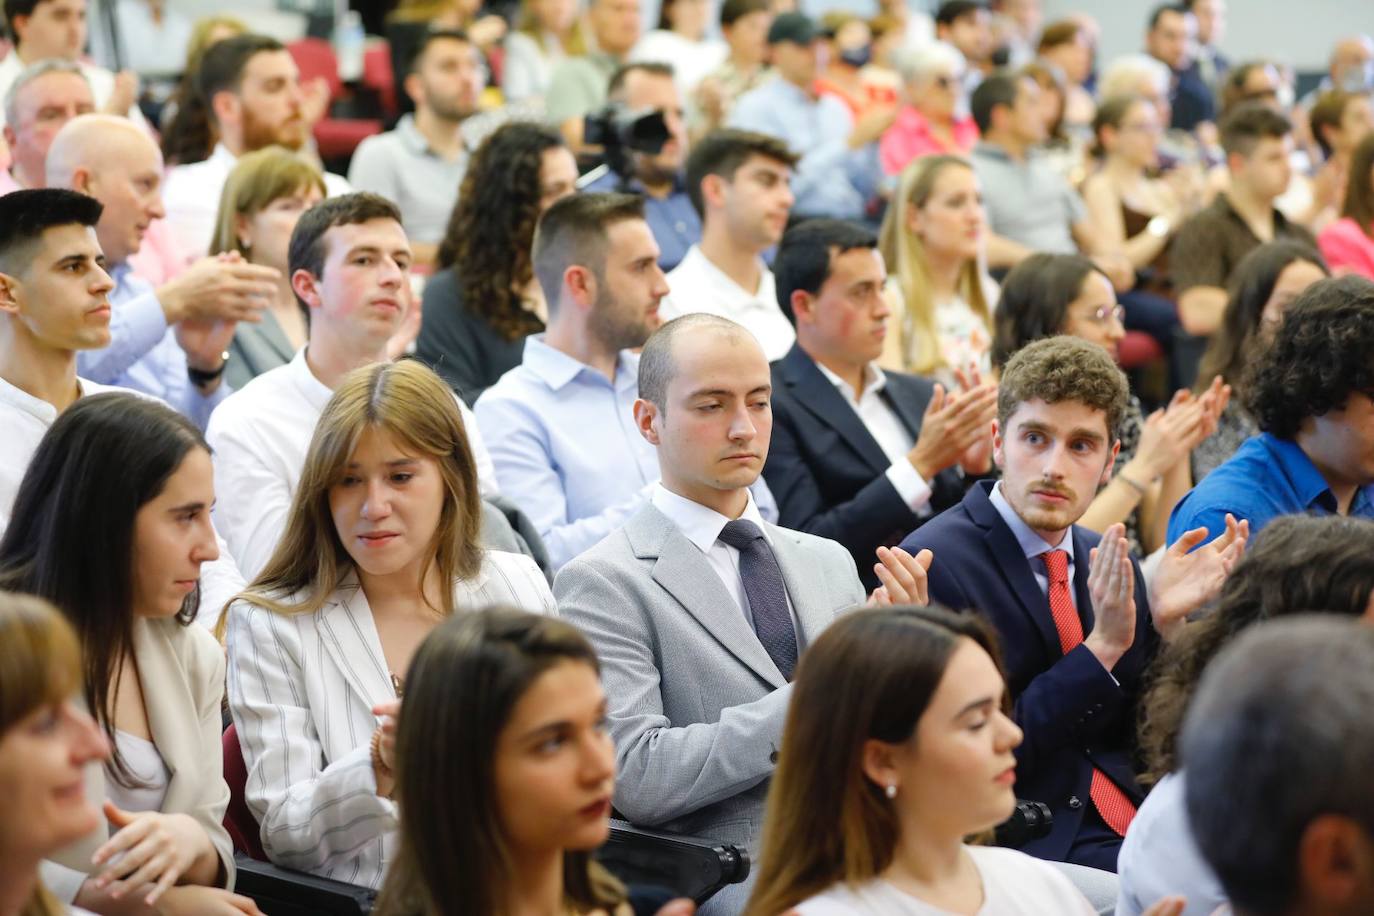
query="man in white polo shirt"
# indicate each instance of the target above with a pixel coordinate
(739, 183)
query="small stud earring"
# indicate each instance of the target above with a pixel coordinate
(891, 791)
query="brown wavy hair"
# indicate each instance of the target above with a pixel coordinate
(1298, 564)
(491, 228)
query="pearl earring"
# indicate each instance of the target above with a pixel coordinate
(891, 791)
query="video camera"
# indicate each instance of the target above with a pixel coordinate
(620, 132)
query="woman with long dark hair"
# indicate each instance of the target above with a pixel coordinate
(484, 301)
(1348, 243)
(112, 526)
(1297, 564)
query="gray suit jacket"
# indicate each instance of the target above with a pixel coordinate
(255, 349)
(696, 704)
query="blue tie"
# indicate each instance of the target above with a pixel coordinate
(767, 594)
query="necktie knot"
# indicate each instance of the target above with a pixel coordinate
(740, 534)
(1057, 566)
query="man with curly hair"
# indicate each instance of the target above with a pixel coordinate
(1311, 394)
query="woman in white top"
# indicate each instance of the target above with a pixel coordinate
(897, 747)
(381, 545)
(112, 526)
(680, 41)
(46, 741)
(932, 240)
(545, 32)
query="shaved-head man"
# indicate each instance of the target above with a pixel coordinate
(168, 341)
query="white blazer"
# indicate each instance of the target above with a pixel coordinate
(301, 690)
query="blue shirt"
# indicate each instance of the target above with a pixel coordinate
(1266, 478)
(673, 220)
(143, 353)
(831, 179)
(1032, 544)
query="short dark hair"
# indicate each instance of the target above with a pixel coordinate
(18, 8)
(307, 248)
(26, 215)
(1250, 122)
(1057, 369)
(1321, 354)
(1035, 300)
(221, 69)
(723, 151)
(431, 36)
(953, 10)
(573, 231)
(1000, 88)
(1163, 9)
(616, 84)
(804, 256)
(732, 11)
(656, 366)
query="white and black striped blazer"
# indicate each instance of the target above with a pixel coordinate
(301, 690)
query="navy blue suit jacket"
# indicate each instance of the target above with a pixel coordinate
(1074, 714)
(826, 470)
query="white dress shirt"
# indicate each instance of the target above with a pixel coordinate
(25, 419)
(697, 285)
(191, 195)
(260, 437)
(702, 526)
(887, 430)
(101, 80)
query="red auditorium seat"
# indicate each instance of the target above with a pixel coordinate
(335, 137)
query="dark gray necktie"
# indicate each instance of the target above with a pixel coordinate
(767, 594)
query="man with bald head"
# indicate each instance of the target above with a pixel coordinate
(169, 341)
(43, 98)
(698, 608)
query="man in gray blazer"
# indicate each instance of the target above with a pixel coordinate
(697, 607)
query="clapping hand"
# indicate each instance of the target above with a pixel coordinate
(1111, 583)
(977, 458)
(903, 577)
(148, 848)
(1186, 579)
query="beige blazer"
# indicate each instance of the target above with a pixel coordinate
(181, 671)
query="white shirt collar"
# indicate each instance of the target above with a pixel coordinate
(314, 390)
(874, 381)
(701, 525)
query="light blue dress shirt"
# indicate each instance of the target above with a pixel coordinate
(1032, 544)
(143, 353)
(831, 179)
(563, 439)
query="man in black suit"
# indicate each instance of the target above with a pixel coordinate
(859, 455)
(1076, 625)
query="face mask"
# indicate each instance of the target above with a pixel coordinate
(857, 57)
(1358, 79)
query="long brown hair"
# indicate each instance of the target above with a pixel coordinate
(461, 689)
(40, 665)
(905, 256)
(870, 675)
(409, 402)
(1359, 187)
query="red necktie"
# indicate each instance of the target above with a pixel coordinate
(1116, 809)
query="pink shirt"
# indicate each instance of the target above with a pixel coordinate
(910, 136)
(1347, 248)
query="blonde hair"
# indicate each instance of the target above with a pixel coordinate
(905, 255)
(527, 23)
(258, 179)
(410, 403)
(40, 664)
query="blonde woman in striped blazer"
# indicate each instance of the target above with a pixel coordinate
(381, 545)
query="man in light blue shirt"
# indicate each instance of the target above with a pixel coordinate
(560, 426)
(838, 174)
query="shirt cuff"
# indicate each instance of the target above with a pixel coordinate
(910, 486)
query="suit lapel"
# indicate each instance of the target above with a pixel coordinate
(166, 698)
(349, 636)
(815, 393)
(1082, 565)
(1012, 562)
(906, 402)
(805, 581)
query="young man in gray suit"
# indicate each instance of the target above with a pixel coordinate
(699, 608)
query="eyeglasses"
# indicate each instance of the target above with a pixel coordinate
(946, 82)
(1107, 314)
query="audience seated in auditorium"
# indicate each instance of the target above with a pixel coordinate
(1209, 246)
(1265, 283)
(505, 774)
(745, 25)
(697, 607)
(1170, 39)
(180, 361)
(939, 289)
(1297, 564)
(57, 28)
(419, 164)
(46, 743)
(935, 118)
(1013, 550)
(42, 98)
(967, 25)
(681, 42)
(837, 174)
(642, 88)
(859, 455)
(1309, 393)
(133, 476)
(545, 33)
(251, 88)
(1348, 68)
(188, 131)
(577, 86)
(1050, 294)
(1299, 851)
(485, 299)
(264, 196)
(739, 182)
(1067, 46)
(349, 263)
(897, 747)
(1348, 243)
(850, 72)
(381, 545)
